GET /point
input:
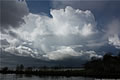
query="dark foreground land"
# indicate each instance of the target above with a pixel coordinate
(106, 67)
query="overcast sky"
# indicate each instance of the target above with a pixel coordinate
(58, 30)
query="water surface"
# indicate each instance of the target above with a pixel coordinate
(31, 77)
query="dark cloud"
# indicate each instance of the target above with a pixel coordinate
(4, 42)
(57, 39)
(12, 13)
(11, 60)
(13, 34)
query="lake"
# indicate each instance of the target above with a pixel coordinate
(31, 77)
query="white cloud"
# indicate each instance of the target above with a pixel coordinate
(68, 52)
(114, 40)
(64, 52)
(22, 51)
(71, 21)
(87, 30)
(43, 36)
(64, 22)
(113, 33)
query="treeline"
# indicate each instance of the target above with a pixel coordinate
(44, 71)
(108, 65)
(21, 67)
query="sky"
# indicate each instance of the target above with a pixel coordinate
(58, 32)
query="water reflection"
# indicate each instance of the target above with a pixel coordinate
(31, 77)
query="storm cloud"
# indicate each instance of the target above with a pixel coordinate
(45, 37)
(12, 13)
(68, 33)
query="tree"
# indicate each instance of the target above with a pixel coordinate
(107, 56)
(5, 69)
(20, 67)
(30, 69)
(118, 54)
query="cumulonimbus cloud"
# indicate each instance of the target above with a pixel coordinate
(43, 36)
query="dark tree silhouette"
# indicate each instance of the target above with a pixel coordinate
(20, 67)
(29, 69)
(5, 69)
(108, 65)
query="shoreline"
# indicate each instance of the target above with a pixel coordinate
(68, 73)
